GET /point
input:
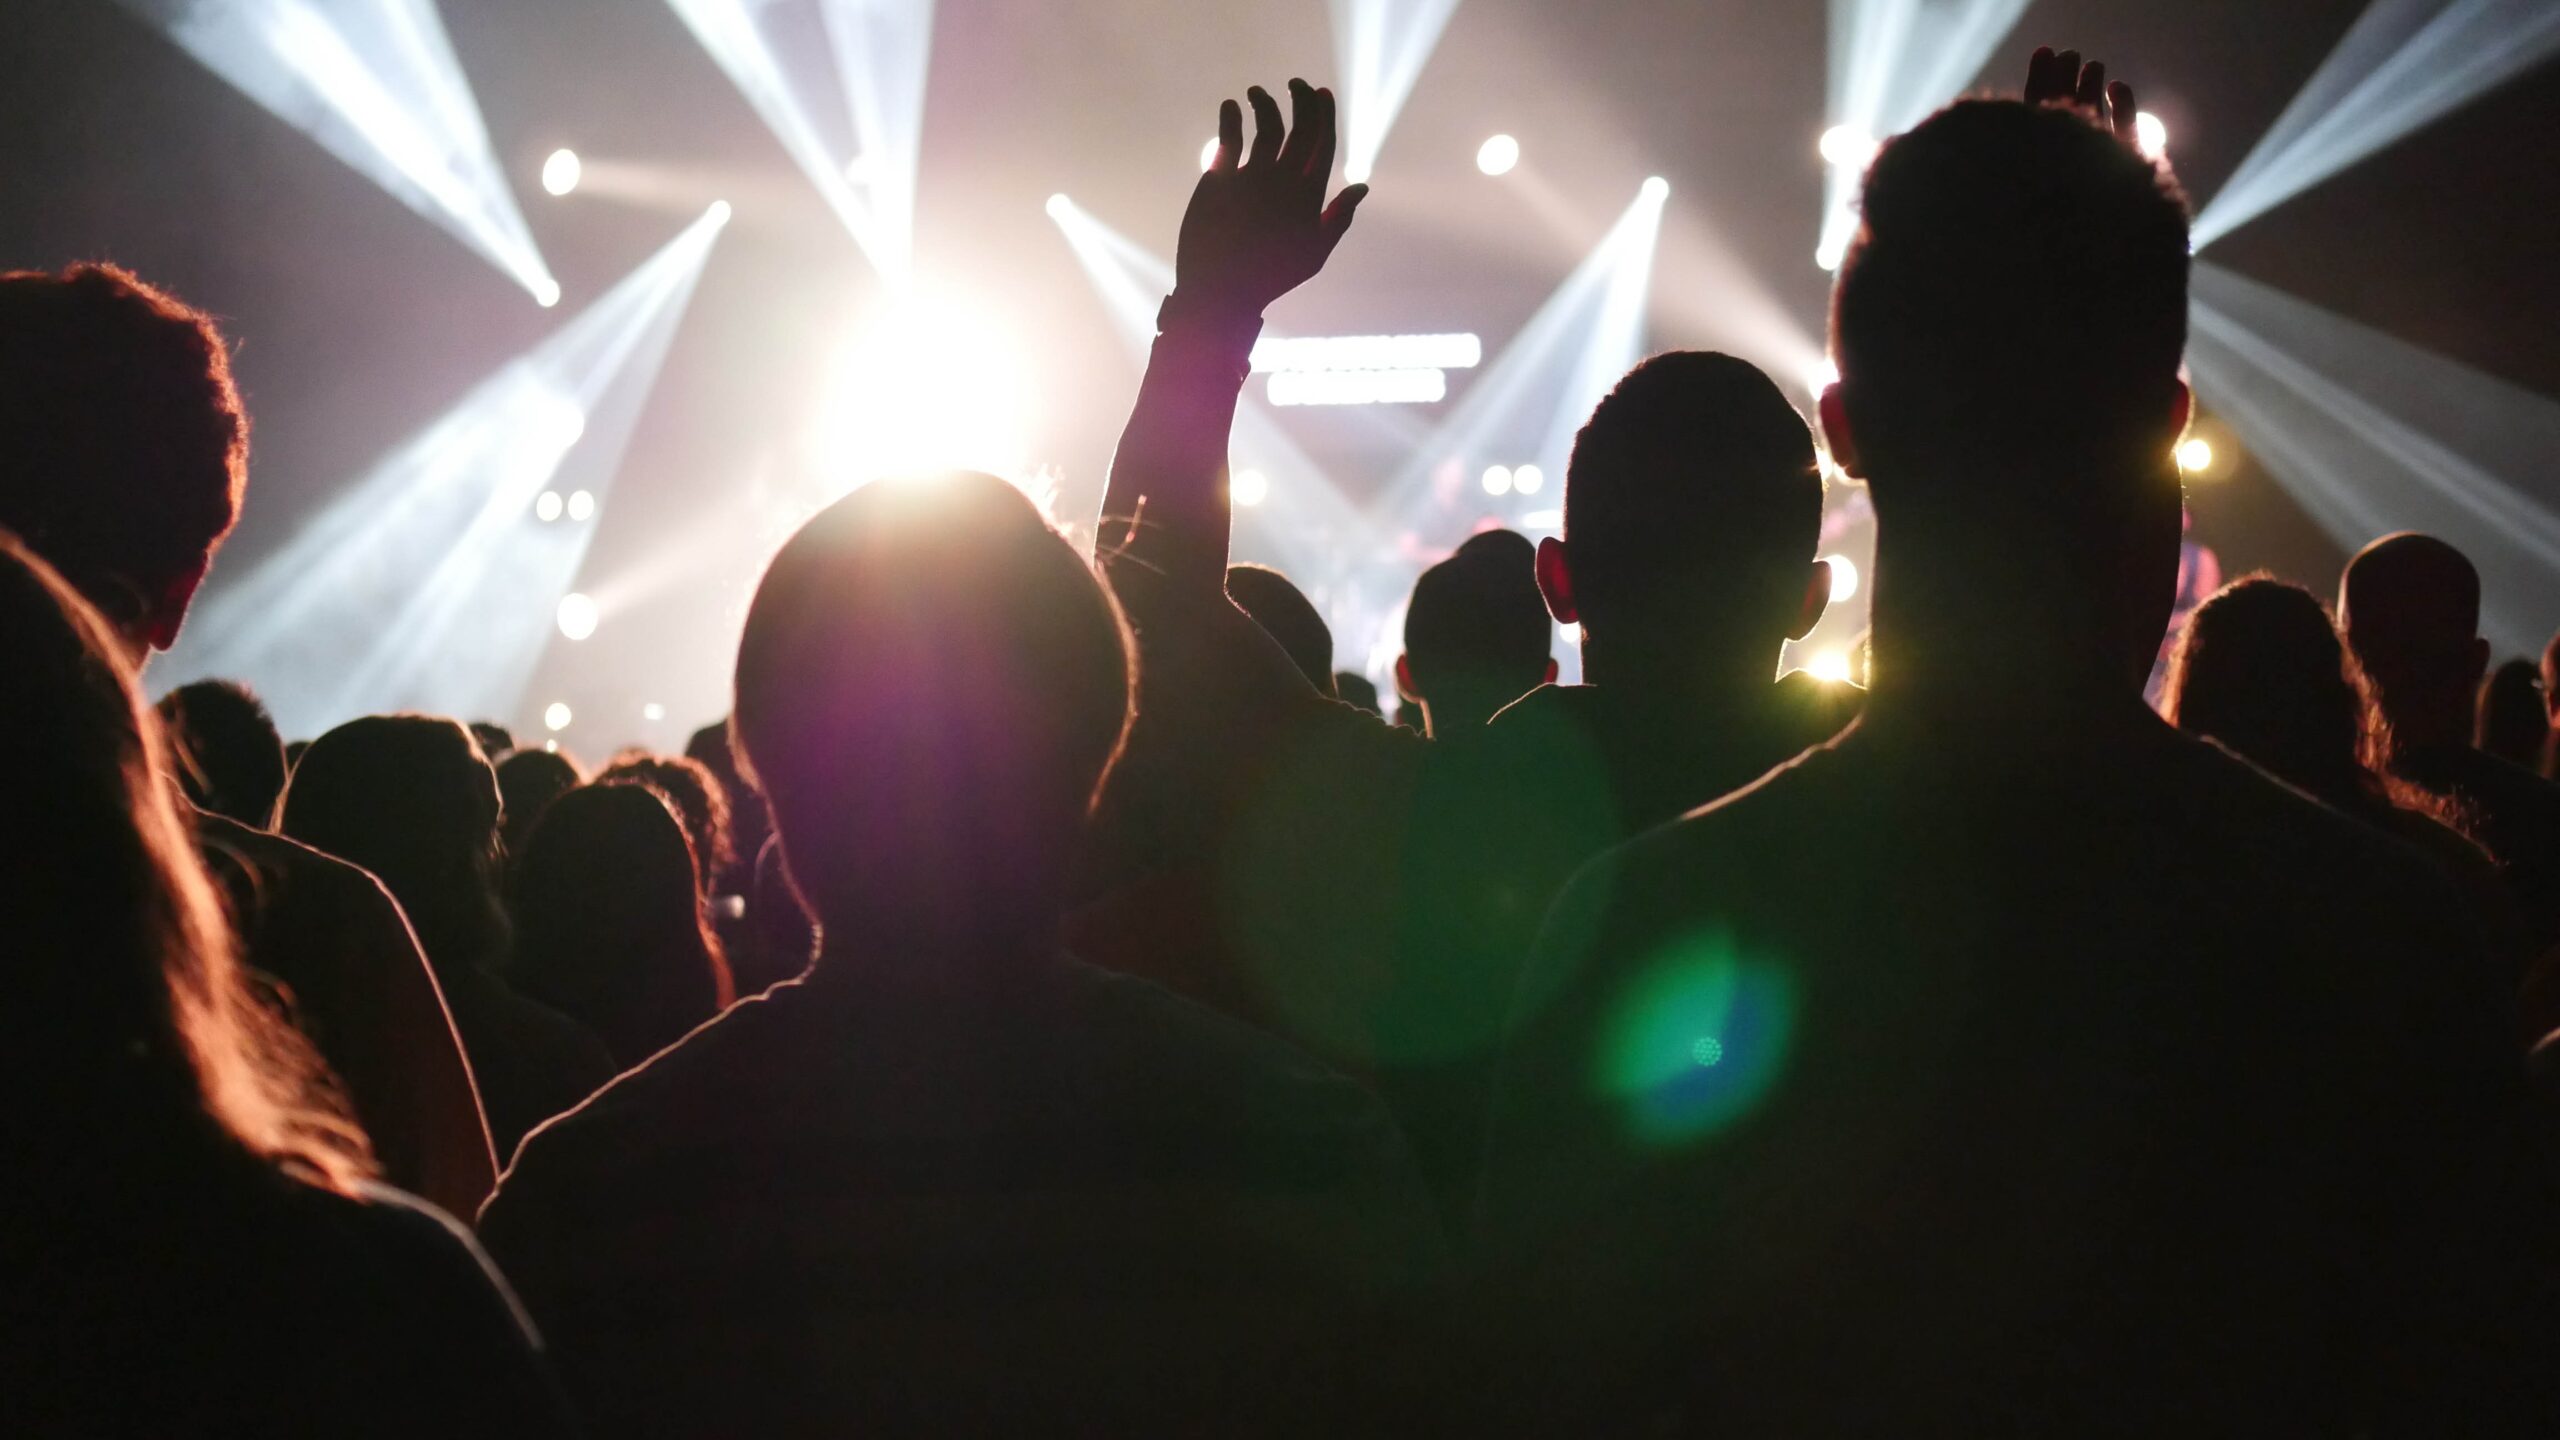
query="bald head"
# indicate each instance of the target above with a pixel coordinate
(2410, 607)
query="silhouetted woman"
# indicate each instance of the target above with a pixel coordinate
(410, 798)
(610, 928)
(190, 1242)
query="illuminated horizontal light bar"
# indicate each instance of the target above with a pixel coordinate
(1359, 387)
(1368, 352)
(375, 83)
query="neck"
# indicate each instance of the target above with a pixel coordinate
(2005, 659)
(1697, 678)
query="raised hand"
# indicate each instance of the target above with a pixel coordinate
(2063, 80)
(1258, 226)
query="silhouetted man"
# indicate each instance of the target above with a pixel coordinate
(123, 460)
(953, 1181)
(2013, 1064)
(1286, 614)
(2409, 605)
(1475, 634)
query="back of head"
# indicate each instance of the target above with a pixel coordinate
(1692, 506)
(128, 1019)
(2260, 669)
(1476, 621)
(123, 447)
(1286, 614)
(608, 925)
(497, 742)
(410, 798)
(230, 758)
(1357, 691)
(528, 782)
(697, 796)
(2410, 605)
(931, 688)
(2514, 725)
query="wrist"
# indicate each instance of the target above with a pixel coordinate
(1208, 316)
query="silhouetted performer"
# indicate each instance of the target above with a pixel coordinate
(2409, 606)
(2014, 1064)
(191, 1243)
(609, 927)
(953, 1180)
(123, 460)
(410, 798)
(1475, 634)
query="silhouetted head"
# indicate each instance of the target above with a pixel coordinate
(786, 939)
(410, 798)
(1691, 509)
(123, 447)
(1286, 614)
(230, 759)
(2512, 723)
(931, 688)
(1354, 689)
(2008, 324)
(528, 781)
(128, 1025)
(609, 927)
(497, 742)
(749, 827)
(2410, 607)
(1475, 633)
(696, 794)
(2260, 669)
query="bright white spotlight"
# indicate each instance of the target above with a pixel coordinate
(2401, 66)
(1248, 487)
(546, 506)
(861, 157)
(653, 711)
(1497, 480)
(1848, 147)
(2150, 135)
(375, 83)
(719, 212)
(576, 616)
(560, 172)
(582, 504)
(1497, 155)
(1379, 48)
(1830, 667)
(1059, 207)
(2195, 455)
(1824, 374)
(930, 380)
(1844, 577)
(1655, 188)
(1209, 153)
(1528, 479)
(556, 716)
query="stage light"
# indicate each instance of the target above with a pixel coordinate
(1497, 155)
(1528, 479)
(1497, 480)
(929, 380)
(1655, 189)
(1822, 376)
(2150, 135)
(1570, 633)
(2370, 434)
(556, 716)
(582, 504)
(653, 711)
(2401, 66)
(1830, 667)
(1836, 237)
(560, 172)
(420, 586)
(1248, 487)
(375, 83)
(1844, 578)
(546, 292)
(2195, 455)
(1848, 147)
(546, 506)
(719, 212)
(1208, 153)
(576, 616)
(854, 125)
(1359, 387)
(1367, 352)
(1379, 48)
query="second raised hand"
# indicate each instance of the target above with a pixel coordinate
(1258, 226)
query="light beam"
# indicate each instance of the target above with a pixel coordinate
(1379, 48)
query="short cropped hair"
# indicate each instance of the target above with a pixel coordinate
(1477, 613)
(123, 446)
(1695, 469)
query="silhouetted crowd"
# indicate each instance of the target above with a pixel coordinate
(1054, 1001)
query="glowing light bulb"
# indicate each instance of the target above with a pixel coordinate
(561, 171)
(1248, 487)
(1527, 479)
(555, 716)
(2195, 455)
(1497, 480)
(1497, 155)
(576, 615)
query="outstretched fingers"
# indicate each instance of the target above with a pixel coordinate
(1230, 136)
(1336, 220)
(2124, 114)
(1320, 154)
(1268, 131)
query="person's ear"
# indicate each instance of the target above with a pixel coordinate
(1550, 677)
(1834, 410)
(1817, 597)
(1555, 581)
(2183, 409)
(2475, 661)
(1404, 681)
